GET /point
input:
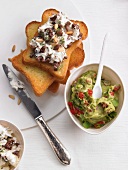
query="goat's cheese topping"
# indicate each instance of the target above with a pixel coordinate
(9, 149)
(57, 34)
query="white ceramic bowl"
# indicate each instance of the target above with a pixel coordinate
(18, 134)
(108, 74)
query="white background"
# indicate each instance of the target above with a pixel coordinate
(109, 150)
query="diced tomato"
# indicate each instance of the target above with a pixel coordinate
(70, 104)
(112, 93)
(116, 88)
(73, 111)
(90, 92)
(99, 124)
(79, 111)
(72, 108)
(81, 95)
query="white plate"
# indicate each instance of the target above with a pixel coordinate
(14, 16)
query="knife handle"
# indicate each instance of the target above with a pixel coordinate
(58, 148)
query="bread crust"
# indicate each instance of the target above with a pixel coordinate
(30, 30)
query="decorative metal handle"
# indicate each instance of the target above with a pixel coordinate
(58, 148)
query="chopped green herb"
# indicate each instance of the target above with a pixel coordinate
(62, 41)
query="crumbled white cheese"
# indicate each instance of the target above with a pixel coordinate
(6, 153)
(46, 25)
(15, 83)
(55, 56)
(13, 159)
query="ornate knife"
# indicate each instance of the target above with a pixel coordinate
(58, 148)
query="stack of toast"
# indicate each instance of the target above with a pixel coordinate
(41, 75)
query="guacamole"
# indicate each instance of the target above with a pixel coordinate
(93, 113)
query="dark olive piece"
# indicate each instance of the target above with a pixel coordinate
(53, 18)
(80, 36)
(56, 47)
(59, 32)
(42, 50)
(67, 25)
(75, 26)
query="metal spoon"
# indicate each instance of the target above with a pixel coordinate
(97, 90)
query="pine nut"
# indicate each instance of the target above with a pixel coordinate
(13, 48)
(11, 96)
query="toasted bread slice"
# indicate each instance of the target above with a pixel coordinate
(54, 87)
(30, 32)
(61, 73)
(77, 58)
(39, 80)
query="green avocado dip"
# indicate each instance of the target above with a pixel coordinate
(93, 113)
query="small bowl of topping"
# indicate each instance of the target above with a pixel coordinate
(11, 145)
(89, 114)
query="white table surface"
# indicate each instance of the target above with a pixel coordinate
(109, 150)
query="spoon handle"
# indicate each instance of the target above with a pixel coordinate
(101, 60)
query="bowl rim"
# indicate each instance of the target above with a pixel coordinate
(68, 110)
(22, 136)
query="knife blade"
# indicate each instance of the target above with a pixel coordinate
(58, 148)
